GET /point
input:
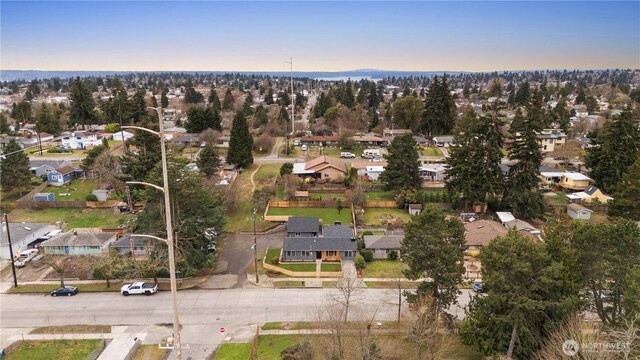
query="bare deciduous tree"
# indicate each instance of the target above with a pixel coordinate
(291, 185)
(573, 332)
(106, 167)
(349, 291)
(56, 263)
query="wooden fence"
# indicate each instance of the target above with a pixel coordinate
(381, 204)
(102, 204)
(31, 194)
(50, 204)
(306, 204)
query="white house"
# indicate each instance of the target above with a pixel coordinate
(80, 140)
(120, 134)
(433, 172)
(373, 172)
(443, 141)
(579, 212)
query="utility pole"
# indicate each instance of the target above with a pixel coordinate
(255, 244)
(13, 265)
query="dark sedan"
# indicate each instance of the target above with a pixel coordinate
(65, 291)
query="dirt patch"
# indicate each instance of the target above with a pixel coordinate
(76, 267)
(73, 329)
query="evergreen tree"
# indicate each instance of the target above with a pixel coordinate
(164, 100)
(581, 98)
(137, 166)
(347, 99)
(216, 119)
(626, 201)
(22, 112)
(138, 107)
(283, 116)
(154, 101)
(214, 100)
(4, 125)
(14, 168)
(284, 100)
(268, 99)
(407, 112)
(261, 117)
(82, 109)
(227, 104)
(562, 115)
(522, 195)
(248, 101)
(241, 142)
(592, 104)
(208, 161)
(47, 120)
(474, 163)
(440, 109)
(522, 95)
(373, 99)
(403, 168)
(192, 96)
(200, 119)
(466, 91)
(526, 296)
(613, 150)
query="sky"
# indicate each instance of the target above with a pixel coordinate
(320, 36)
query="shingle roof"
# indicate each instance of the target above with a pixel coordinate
(481, 232)
(383, 241)
(125, 242)
(55, 164)
(68, 169)
(301, 224)
(19, 230)
(80, 239)
(577, 208)
(591, 190)
(337, 231)
(326, 160)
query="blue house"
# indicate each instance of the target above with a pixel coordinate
(62, 176)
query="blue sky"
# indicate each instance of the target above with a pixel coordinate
(320, 36)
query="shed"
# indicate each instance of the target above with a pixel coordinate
(414, 209)
(577, 211)
(102, 195)
(44, 197)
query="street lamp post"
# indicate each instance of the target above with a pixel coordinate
(255, 244)
(169, 225)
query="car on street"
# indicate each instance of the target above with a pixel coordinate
(296, 142)
(304, 147)
(347, 155)
(139, 288)
(478, 286)
(65, 291)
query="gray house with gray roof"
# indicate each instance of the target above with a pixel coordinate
(22, 234)
(381, 245)
(316, 242)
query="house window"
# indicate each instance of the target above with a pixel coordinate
(326, 175)
(290, 253)
(349, 253)
(545, 147)
(306, 253)
(297, 234)
(331, 253)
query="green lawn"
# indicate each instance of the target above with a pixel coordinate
(299, 267)
(47, 288)
(381, 215)
(270, 346)
(273, 254)
(288, 284)
(380, 195)
(296, 325)
(149, 352)
(77, 189)
(383, 269)
(391, 284)
(431, 151)
(329, 284)
(267, 172)
(72, 217)
(241, 219)
(56, 349)
(233, 351)
(328, 267)
(326, 195)
(328, 215)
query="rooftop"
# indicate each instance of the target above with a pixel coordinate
(80, 239)
(481, 232)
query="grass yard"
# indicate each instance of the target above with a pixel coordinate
(384, 269)
(47, 288)
(233, 351)
(430, 151)
(272, 254)
(559, 199)
(380, 195)
(296, 325)
(329, 267)
(72, 329)
(329, 284)
(149, 352)
(379, 216)
(328, 215)
(270, 346)
(241, 219)
(299, 267)
(77, 189)
(57, 349)
(72, 217)
(326, 195)
(267, 174)
(288, 284)
(391, 284)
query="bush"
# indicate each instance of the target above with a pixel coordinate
(275, 261)
(392, 255)
(367, 232)
(367, 254)
(301, 351)
(359, 262)
(91, 197)
(286, 168)
(57, 150)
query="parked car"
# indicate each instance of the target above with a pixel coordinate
(296, 142)
(25, 257)
(65, 291)
(347, 155)
(304, 147)
(139, 288)
(478, 286)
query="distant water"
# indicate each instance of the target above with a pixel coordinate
(345, 78)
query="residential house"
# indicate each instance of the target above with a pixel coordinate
(369, 140)
(361, 165)
(332, 243)
(509, 221)
(389, 134)
(45, 137)
(574, 181)
(319, 140)
(43, 167)
(443, 140)
(433, 172)
(223, 141)
(382, 245)
(22, 234)
(592, 193)
(322, 167)
(550, 140)
(479, 233)
(186, 140)
(421, 140)
(373, 172)
(118, 136)
(128, 245)
(80, 140)
(414, 209)
(298, 226)
(79, 243)
(4, 140)
(62, 176)
(577, 211)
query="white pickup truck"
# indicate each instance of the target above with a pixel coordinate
(139, 288)
(25, 257)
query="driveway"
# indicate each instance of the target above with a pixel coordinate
(235, 255)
